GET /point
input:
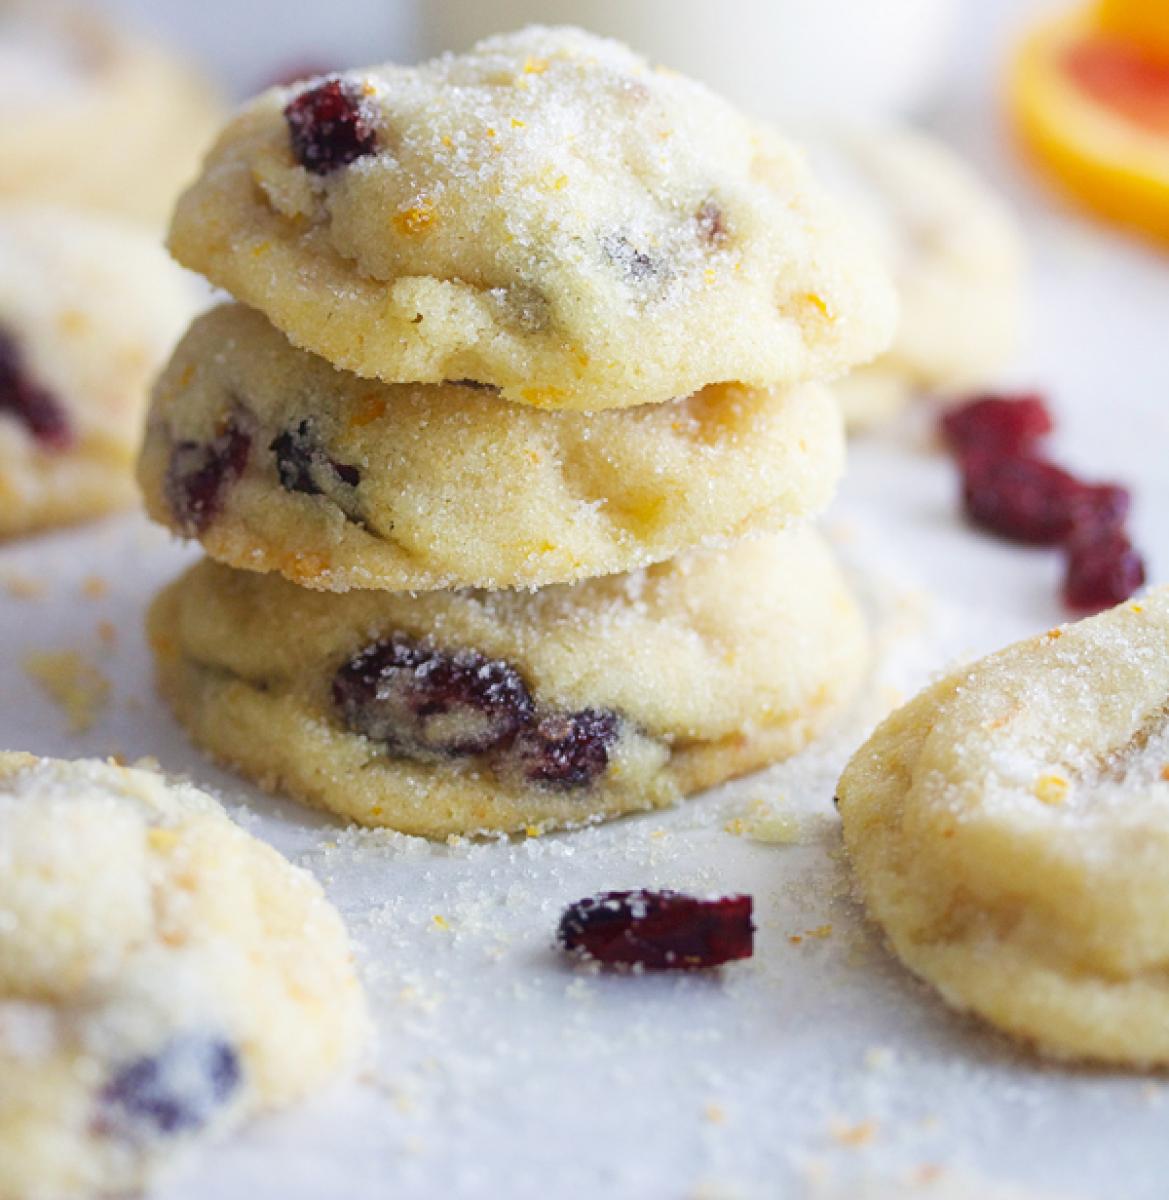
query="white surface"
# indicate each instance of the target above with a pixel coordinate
(502, 1072)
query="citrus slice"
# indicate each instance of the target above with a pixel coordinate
(1092, 108)
(1145, 22)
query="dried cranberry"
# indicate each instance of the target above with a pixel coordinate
(1103, 569)
(660, 930)
(424, 703)
(566, 750)
(1033, 501)
(330, 125)
(35, 407)
(175, 1091)
(1000, 426)
(199, 474)
(303, 465)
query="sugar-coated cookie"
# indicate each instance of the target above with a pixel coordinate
(277, 461)
(1009, 829)
(466, 712)
(96, 117)
(955, 254)
(89, 310)
(546, 214)
(163, 976)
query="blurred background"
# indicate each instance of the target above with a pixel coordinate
(853, 56)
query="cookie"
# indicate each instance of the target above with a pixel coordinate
(546, 214)
(1009, 830)
(278, 462)
(163, 976)
(955, 254)
(470, 712)
(89, 310)
(96, 117)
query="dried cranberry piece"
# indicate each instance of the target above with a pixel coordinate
(330, 125)
(566, 750)
(1103, 569)
(999, 426)
(1100, 506)
(659, 930)
(199, 474)
(34, 406)
(175, 1091)
(1024, 499)
(303, 465)
(425, 703)
(1033, 501)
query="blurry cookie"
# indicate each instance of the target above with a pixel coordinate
(955, 255)
(96, 117)
(163, 976)
(1009, 829)
(467, 712)
(89, 310)
(546, 214)
(277, 461)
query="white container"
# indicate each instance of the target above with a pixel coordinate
(807, 59)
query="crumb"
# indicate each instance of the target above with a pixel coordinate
(715, 1114)
(94, 587)
(861, 1134)
(23, 587)
(761, 821)
(106, 633)
(76, 686)
(880, 1058)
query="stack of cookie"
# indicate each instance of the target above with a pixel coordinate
(525, 357)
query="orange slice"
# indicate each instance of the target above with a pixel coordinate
(1092, 108)
(1145, 22)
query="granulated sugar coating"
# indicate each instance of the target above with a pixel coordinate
(472, 712)
(547, 214)
(1010, 829)
(163, 976)
(354, 484)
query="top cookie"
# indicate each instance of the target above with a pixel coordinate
(546, 214)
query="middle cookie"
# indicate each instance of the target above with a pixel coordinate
(277, 461)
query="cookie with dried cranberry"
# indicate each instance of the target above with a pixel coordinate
(163, 977)
(96, 117)
(89, 309)
(546, 214)
(466, 712)
(955, 254)
(277, 461)
(1009, 830)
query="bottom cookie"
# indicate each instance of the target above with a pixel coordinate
(473, 712)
